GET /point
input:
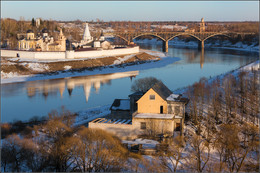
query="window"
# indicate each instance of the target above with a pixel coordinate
(152, 97)
(177, 110)
(143, 125)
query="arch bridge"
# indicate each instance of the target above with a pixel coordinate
(167, 36)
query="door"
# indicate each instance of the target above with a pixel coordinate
(178, 127)
(161, 109)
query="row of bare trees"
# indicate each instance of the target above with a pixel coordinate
(59, 146)
(223, 131)
(221, 136)
(11, 27)
(225, 117)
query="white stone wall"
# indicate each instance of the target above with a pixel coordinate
(64, 55)
(50, 55)
(102, 53)
(33, 55)
(13, 53)
(70, 54)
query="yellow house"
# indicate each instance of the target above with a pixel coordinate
(159, 113)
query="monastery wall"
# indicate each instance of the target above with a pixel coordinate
(49, 55)
(32, 55)
(68, 54)
(102, 53)
(14, 53)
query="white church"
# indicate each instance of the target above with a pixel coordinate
(88, 41)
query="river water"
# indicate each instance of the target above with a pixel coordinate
(23, 100)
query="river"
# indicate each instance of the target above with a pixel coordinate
(23, 100)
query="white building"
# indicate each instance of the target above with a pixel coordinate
(38, 22)
(86, 39)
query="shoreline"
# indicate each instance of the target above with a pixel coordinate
(102, 69)
(84, 116)
(115, 64)
(84, 113)
(255, 65)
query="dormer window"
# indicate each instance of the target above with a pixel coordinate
(152, 97)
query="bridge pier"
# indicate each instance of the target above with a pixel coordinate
(165, 46)
(201, 45)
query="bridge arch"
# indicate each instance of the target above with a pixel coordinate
(155, 35)
(217, 34)
(194, 36)
(123, 38)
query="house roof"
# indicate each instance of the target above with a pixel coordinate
(121, 104)
(138, 93)
(162, 90)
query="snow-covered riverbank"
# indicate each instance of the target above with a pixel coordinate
(116, 67)
(85, 116)
(252, 66)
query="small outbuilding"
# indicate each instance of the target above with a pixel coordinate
(120, 109)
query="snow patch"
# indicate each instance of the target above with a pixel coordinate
(147, 143)
(121, 60)
(172, 97)
(67, 67)
(154, 53)
(88, 115)
(8, 75)
(36, 66)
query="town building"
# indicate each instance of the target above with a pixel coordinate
(86, 39)
(38, 22)
(159, 112)
(42, 42)
(202, 25)
(89, 42)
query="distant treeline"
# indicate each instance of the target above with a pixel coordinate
(11, 27)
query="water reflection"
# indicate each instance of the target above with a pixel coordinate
(24, 100)
(52, 87)
(201, 58)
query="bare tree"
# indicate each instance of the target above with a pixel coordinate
(200, 153)
(228, 85)
(174, 154)
(97, 151)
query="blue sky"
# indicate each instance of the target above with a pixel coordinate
(133, 10)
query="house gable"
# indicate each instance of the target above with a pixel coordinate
(151, 102)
